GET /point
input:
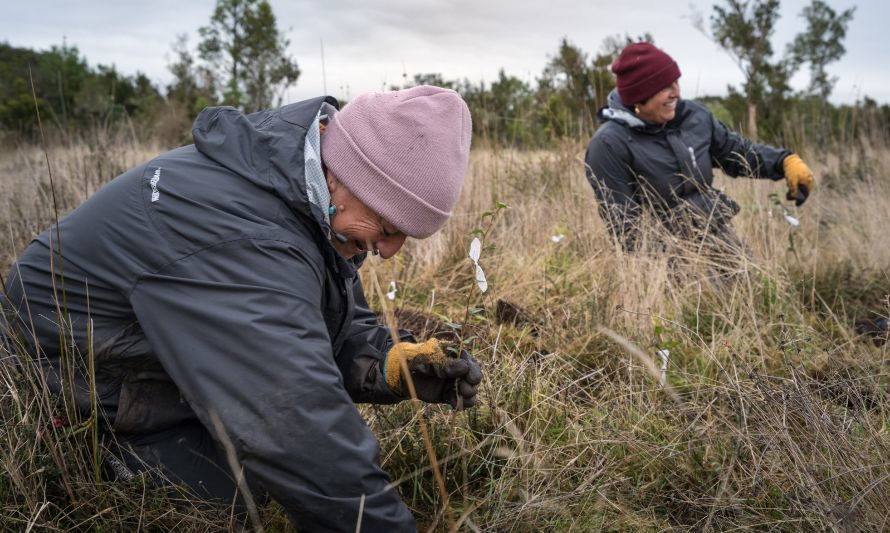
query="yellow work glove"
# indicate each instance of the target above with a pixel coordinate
(800, 179)
(439, 373)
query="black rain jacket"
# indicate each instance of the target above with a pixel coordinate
(632, 163)
(208, 284)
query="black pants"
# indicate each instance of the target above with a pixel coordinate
(185, 455)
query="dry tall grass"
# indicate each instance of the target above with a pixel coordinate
(780, 419)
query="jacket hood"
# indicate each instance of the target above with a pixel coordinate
(265, 148)
(615, 111)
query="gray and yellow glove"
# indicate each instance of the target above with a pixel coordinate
(439, 373)
(799, 177)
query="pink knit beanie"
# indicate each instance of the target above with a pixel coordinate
(642, 70)
(403, 154)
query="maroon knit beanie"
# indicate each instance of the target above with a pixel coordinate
(642, 70)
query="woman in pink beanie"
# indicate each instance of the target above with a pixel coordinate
(655, 150)
(220, 282)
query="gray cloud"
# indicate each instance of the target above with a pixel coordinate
(369, 44)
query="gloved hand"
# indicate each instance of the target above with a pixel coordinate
(800, 179)
(439, 373)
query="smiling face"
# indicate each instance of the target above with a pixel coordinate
(363, 229)
(662, 107)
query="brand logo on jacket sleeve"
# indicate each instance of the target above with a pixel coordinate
(155, 195)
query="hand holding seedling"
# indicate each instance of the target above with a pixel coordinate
(799, 177)
(441, 373)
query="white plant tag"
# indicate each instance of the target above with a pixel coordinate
(475, 253)
(664, 355)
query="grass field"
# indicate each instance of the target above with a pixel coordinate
(772, 412)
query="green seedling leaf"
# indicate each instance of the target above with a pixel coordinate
(452, 350)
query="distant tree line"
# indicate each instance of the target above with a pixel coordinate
(241, 60)
(69, 93)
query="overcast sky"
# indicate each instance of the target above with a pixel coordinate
(368, 44)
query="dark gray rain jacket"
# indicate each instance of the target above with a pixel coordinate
(212, 288)
(632, 163)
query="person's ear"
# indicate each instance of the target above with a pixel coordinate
(333, 182)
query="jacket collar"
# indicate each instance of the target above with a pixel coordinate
(617, 112)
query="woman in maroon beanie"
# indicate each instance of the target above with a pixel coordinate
(659, 151)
